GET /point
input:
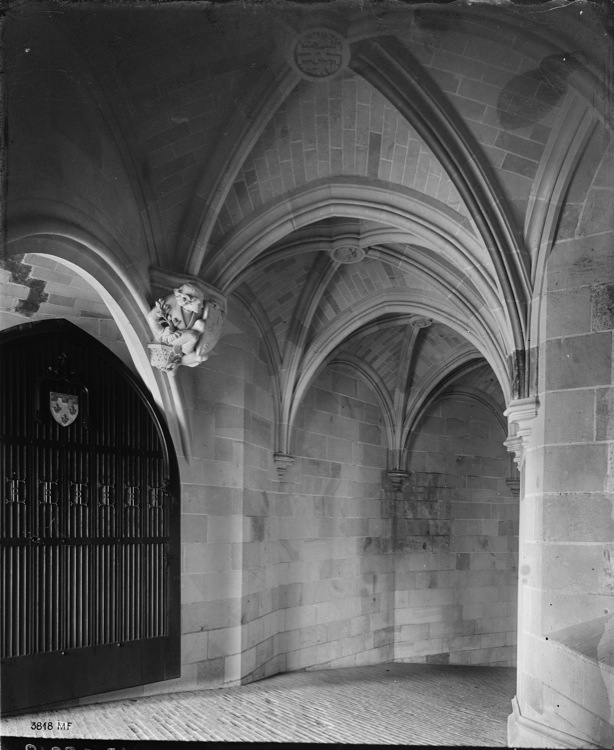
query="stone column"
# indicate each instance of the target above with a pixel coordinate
(566, 568)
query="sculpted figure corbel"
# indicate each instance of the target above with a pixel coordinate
(185, 326)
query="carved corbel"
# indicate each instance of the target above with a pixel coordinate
(186, 321)
(283, 461)
(397, 478)
(520, 414)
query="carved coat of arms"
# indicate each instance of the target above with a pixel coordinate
(64, 407)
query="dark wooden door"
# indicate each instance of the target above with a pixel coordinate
(89, 522)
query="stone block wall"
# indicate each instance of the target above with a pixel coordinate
(261, 559)
(567, 518)
(217, 540)
(456, 540)
(317, 572)
(290, 573)
(340, 575)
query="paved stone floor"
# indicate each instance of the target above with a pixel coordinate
(408, 704)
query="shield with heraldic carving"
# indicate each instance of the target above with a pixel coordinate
(64, 407)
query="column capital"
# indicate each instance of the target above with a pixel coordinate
(520, 414)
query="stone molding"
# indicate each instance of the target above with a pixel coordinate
(520, 414)
(525, 732)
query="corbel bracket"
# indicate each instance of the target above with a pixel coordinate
(283, 461)
(520, 414)
(397, 478)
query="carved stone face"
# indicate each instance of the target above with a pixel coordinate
(187, 300)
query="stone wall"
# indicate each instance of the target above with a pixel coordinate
(213, 508)
(290, 573)
(456, 541)
(566, 670)
(338, 540)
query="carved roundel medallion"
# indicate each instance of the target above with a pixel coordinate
(318, 54)
(348, 254)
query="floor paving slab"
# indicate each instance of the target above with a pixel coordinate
(395, 703)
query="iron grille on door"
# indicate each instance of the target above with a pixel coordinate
(88, 522)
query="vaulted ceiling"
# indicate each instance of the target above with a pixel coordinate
(390, 216)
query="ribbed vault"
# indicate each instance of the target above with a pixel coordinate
(441, 162)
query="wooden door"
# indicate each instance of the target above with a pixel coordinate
(89, 522)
